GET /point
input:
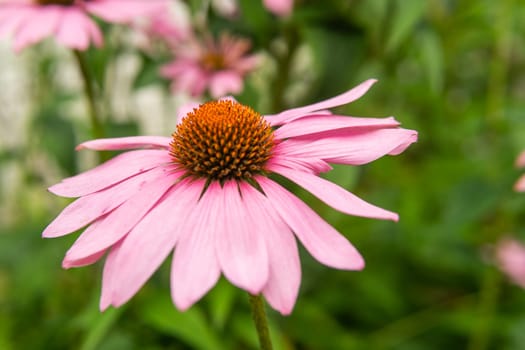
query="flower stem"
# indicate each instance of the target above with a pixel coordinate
(261, 323)
(97, 128)
(488, 303)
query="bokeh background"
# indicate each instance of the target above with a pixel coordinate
(452, 69)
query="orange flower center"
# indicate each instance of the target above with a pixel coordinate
(222, 140)
(55, 2)
(213, 61)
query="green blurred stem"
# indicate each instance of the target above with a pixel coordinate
(261, 323)
(284, 65)
(97, 128)
(487, 307)
(499, 64)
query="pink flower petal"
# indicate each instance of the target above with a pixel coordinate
(239, 240)
(122, 11)
(108, 277)
(121, 143)
(319, 123)
(112, 227)
(279, 7)
(321, 240)
(88, 208)
(73, 32)
(195, 268)
(334, 195)
(339, 100)
(40, 24)
(94, 33)
(12, 17)
(224, 83)
(284, 277)
(520, 161)
(88, 260)
(519, 186)
(186, 108)
(115, 170)
(306, 164)
(152, 239)
(350, 146)
(510, 256)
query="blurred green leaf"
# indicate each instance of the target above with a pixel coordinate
(190, 326)
(406, 15)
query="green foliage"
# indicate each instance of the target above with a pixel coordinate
(453, 70)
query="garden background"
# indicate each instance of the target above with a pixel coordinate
(452, 70)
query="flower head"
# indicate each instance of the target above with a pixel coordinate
(217, 65)
(510, 258)
(68, 21)
(207, 195)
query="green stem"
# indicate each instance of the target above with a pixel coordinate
(97, 128)
(261, 323)
(488, 302)
(283, 69)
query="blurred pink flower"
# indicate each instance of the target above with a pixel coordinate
(205, 195)
(510, 257)
(171, 26)
(520, 163)
(68, 21)
(229, 8)
(215, 65)
(279, 7)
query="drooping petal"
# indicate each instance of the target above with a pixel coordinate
(239, 241)
(350, 146)
(321, 240)
(318, 123)
(307, 164)
(195, 268)
(108, 277)
(339, 100)
(111, 172)
(110, 229)
(152, 239)
(121, 143)
(122, 11)
(88, 208)
(94, 33)
(12, 17)
(73, 32)
(88, 260)
(226, 82)
(334, 195)
(40, 25)
(284, 276)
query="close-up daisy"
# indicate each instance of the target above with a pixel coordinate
(212, 195)
(209, 64)
(68, 21)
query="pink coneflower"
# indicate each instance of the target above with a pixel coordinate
(510, 258)
(208, 193)
(68, 21)
(215, 65)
